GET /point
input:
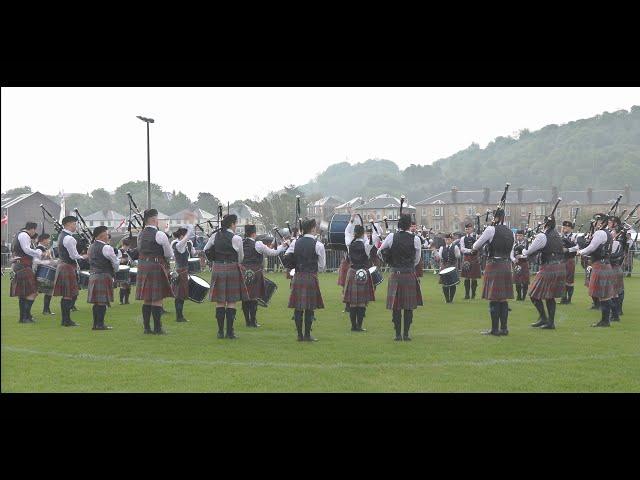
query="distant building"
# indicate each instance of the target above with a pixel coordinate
(323, 209)
(20, 209)
(382, 206)
(190, 216)
(449, 211)
(108, 218)
(347, 207)
(247, 216)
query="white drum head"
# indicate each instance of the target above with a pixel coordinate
(85, 273)
(199, 281)
(447, 270)
(373, 269)
(194, 260)
(293, 272)
(133, 270)
(124, 268)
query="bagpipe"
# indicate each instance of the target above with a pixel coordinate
(86, 237)
(55, 222)
(210, 253)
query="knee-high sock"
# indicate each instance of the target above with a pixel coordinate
(504, 315)
(519, 291)
(308, 320)
(569, 292)
(605, 308)
(73, 301)
(474, 285)
(94, 311)
(27, 308)
(179, 303)
(621, 297)
(121, 295)
(596, 301)
(220, 314)
(102, 312)
(353, 316)
(156, 313)
(126, 295)
(540, 307)
(408, 320)
(467, 287)
(231, 316)
(246, 311)
(146, 316)
(253, 311)
(445, 291)
(494, 311)
(297, 315)
(551, 308)
(65, 307)
(21, 305)
(525, 287)
(360, 315)
(452, 293)
(47, 303)
(397, 320)
(615, 302)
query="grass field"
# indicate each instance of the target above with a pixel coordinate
(447, 353)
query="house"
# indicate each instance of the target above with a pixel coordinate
(323, 209)
(347, 207)
(108, 218)
(191, 216)
(382, 206)
(247, 216)
(20, 209)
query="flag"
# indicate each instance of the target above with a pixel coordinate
(5, 219)
(121, 223)
(62, 208)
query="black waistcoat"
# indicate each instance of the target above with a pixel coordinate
(305, 254)
(502, 242)
(403, 251)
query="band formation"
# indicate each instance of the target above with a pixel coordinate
(85, 259)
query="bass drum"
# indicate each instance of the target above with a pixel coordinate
(337, 226)
(269, 289)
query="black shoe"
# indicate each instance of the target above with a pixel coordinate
(159, 332)
(406, 338)
(48, 312)
(491, 332)
(360, 329)
(102, 327)
(300, 338)
(24, 320)
(220, 334)
(509, 308)
(74, 309)
(232, 336)
(539, 323)
(181, 319)
(121, 303)
(71, 323)
(398, 338)
(148, 331)
(594, 307)
(256, 324)
(601, 324)
(309, 338)
(548, 326)
(564, 301)
(466, 297)
(504, 333)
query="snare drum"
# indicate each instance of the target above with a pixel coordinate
(83, 279)
(269, 289)
(122, 275)
(376, 276)
(133, 275)
(46, 274)
(194, 265)
(198, 289)
(449, 276)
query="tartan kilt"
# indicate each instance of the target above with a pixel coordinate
(356, 293)
(585, 263)
(420, 268)
(442, 267)
(474, 271)
(497, 283)
(227, 283)
(618, 280)
(24, 282)
(549, 282)
(305, 292)
(152, 282)
(525, 273)
(601, 281)
(342, 272)
(66, 282)
(403, 291)
(256, 289)
(100, 288)
(181, 287)
(570, 265)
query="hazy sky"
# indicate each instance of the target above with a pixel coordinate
(244, 142)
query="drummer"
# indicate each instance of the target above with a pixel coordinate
(448, 256)
(420, 265)
(44, 244)
(23, 283)
(359, 290)
(125, 259)
(103, 263)
(182, 250)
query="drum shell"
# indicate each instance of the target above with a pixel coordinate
(376, 276)
(198, 291)
(122, 275)
(449, 278)
(269, 289)
(83, 279)
(133, 275)
(46, 274)
(335, 234)
(194, 265)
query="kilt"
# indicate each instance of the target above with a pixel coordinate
(152, 281)
(66, 282)
(474, 271)
(443, 266)
(497, 282)
(601, 281)
(305, 292)
(100, 288)
(549, 282)
(420, 268)
(523, 276)
(227, 283)
(618, 281)
(358, 293)
(24, 282)
(585, 263)
(256, 289)
(403, 291)
(570, 265)
(342, 272)
(181, 287)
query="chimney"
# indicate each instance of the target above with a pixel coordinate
(520, 191)
(454, 194)
(554, 194)
(590, 195)
(485, 195)
(627, 194)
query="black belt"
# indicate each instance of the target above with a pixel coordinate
(224, 261)
(152, 259)
(498, 259)
(403, 270)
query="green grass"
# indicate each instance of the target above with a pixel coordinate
(447, 353)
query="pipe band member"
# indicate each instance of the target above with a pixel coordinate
(152, 280)
(602, 279)
(402, 251)
(103, 264)
(497, 281)
(66, 282)
(448, 256)
(183, 250)
(569, 241)
(521, 271)
(227, 281)
(471, 271)
(550, 280)
(23, 283)
(125, 259)
(254, 253)
(618, 250)
(308, 257)
(358, 292)
(44, 245)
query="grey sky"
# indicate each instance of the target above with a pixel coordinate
(244, 142)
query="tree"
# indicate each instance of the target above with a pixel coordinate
(102, 199)
(179, 201)
(208, 202)
(138, 190)
(18, 191)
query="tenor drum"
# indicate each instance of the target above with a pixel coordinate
(194, 265)
(123, 273)
(269, 289)
(133, 275)
(376, 276)
(83, 279)
(337, 226)
(198, 289)
(449, 276)
(46, 274)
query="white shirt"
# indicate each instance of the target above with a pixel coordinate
(463, 249)
(25, 243)
(236, 243)
(599, 237)
(109, 253)
(322, 259)
(538, 244)
(512, 254)
(416, 243)
(182, 243)
(162, 239)
(348, 235)
(264, 250)
(456, 252)
(486, 237)
(70, 244)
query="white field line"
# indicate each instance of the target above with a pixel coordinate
(212, 363)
